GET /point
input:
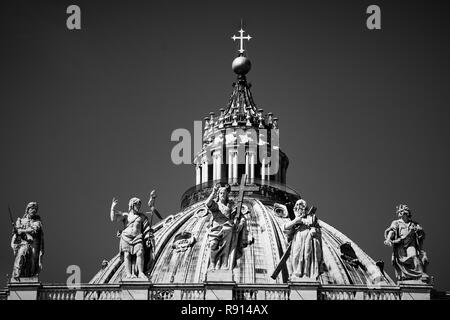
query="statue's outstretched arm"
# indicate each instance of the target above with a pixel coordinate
(151, 201)
(212, 195)
(389, 235)
(115, 214)
(151, 204)
(291, 224)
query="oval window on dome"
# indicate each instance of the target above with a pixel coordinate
(169, 220)
(201, 212)
(280, 210)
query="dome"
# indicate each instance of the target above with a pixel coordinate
(182, 248)
(181, 240)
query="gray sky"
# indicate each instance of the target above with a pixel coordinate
(87, 115)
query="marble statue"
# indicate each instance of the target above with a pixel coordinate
(28, 243)
(406, 237)
(136, 239)
(306, 243)
(227, 232)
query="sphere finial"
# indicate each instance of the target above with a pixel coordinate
(241, 65)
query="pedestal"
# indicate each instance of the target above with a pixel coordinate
(303, 289)
(415, 290)
(134, 289)
(219, 285)
(224, 275)
(24, 289)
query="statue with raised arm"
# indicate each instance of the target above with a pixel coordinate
(304, 234)
(136, 239)
(28, 243)
(406, 237)
(227, 232)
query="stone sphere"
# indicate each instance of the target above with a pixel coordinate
(241, 65)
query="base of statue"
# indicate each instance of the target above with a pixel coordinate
(25, 280)
(419, 282)
(134, 280)
(219, 284)
(424, 280)
(134, 289)
(24, 288)
(294, 278)
(419, 289)
(220, 275)
(303, 288)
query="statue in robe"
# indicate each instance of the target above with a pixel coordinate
(306, 243)
(406, 238)
(28, 243)
(228, 233)
(137, 242)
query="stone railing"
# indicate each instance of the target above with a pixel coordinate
(56, 292)
(84, 292)
(261, 292)
(215, 290)
(177, 292)
(3, 295)
(102, 292)
(343, 292)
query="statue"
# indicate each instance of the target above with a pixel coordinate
(306, 243)
(406, 237)
(28, 243)
(227, 231)
(137, 242)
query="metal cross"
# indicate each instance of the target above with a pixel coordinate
(241, 38)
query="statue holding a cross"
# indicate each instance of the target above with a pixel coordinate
(228, 233)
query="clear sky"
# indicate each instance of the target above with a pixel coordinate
(87, 115)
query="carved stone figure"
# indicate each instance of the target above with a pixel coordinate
(228, 233)
(406, 237)
(28, 243)
(306, 238)
(136, 239)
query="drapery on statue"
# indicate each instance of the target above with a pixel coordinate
(228, 233)
(406, 237)
(306, 243)
(137, 242)
(28, 243)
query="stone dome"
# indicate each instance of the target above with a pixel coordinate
(181, 239)
(186, 261)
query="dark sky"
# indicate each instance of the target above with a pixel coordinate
(87, 115)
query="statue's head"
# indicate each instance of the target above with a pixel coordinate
(403, 210)
(300, 207)
(134, 204)
(32, 208)
(223, 193)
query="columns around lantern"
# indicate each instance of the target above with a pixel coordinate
(205, 170)
(217, 165)
(225, 164)
(229, 152)
(198, 174)
(250, 166)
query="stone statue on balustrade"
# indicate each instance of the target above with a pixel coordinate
(228, 233)
(304, 234)
(28, 243)
(406, 238)
(137, 242)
